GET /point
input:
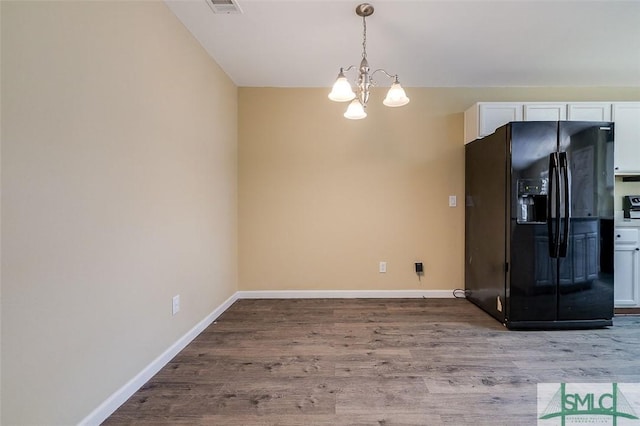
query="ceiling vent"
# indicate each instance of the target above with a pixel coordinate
(224, 7)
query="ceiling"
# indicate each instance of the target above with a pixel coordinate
(428, 43)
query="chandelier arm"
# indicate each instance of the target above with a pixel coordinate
(349, 68)
(372, 82)
(385, 73)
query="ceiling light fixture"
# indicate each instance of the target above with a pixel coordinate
(342, 90)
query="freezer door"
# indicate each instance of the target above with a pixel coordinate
(534, 228)
(585, 286)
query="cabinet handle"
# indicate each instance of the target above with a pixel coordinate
(618, 236)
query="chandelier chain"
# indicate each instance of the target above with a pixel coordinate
(364, 37)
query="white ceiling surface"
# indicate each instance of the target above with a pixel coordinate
(428, 43)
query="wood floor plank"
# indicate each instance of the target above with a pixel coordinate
(373, 362)
(381, 395)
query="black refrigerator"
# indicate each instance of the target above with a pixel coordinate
(538, 224)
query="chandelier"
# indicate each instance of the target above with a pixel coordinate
(342, 90)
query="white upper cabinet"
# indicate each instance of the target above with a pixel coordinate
(626, 116)
(484, 118)
(494, 116)
(589, 111)
(545, 112)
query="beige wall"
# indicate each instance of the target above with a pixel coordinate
(119, 175)
(323, 199)
(118, 191)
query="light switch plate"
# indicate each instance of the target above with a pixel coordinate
(453, 201)
(175, 304)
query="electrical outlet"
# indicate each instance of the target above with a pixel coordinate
(383, 267)
(419, 268)
(175, 304)
(453, 201)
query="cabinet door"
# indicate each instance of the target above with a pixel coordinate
(545, 112)
(492, 116)
(584, 257)
(626, 276)
(579, 258)
(589, 112)
(483, 118)
(543, 263)
(593, 256)
(627, 137)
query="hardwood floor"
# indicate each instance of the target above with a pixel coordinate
(373, 362)
(627, 311)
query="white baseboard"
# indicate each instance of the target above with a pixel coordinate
(111, 404)
(345, 294)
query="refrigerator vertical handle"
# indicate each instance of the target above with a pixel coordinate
(564, 171)
(553, 201)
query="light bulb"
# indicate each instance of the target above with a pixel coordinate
(396, 96)
(341, 90)
(355, 111)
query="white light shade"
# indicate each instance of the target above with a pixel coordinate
(396, 96)
(341, 91)
(355, 111)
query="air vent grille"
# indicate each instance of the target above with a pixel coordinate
(224, 7)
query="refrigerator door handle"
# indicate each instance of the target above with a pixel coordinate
(564, 171)
(554, 200)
